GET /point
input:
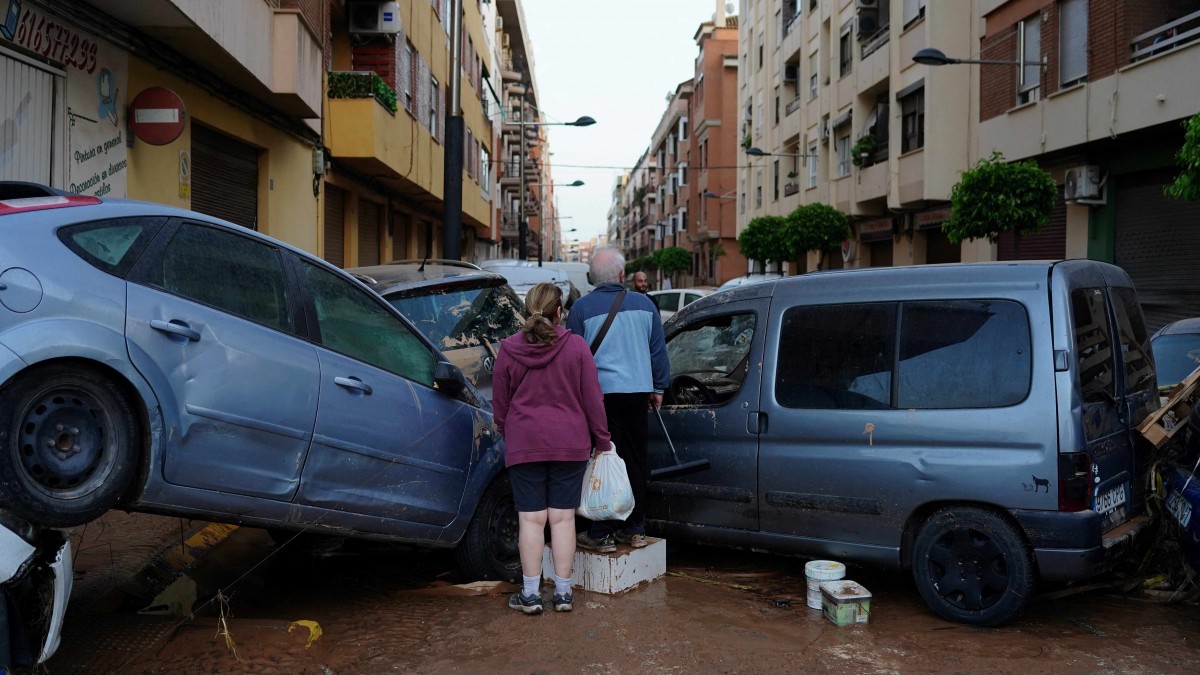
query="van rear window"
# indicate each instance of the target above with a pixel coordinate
(937, 355)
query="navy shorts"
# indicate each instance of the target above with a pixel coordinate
(538, 485)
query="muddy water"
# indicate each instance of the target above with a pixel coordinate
(719, 612)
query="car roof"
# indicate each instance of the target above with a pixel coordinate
(411, 275)
(1180, 327)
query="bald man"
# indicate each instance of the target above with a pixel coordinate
(641, 283)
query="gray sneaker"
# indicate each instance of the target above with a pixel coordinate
(529, 604)
(564, 602)
(604, 544)
(635, 540)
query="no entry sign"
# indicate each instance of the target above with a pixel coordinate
(156, 115)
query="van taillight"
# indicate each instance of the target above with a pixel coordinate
(1074, 486)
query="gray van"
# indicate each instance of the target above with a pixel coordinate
(973, 423)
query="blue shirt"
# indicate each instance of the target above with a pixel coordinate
(633, 356)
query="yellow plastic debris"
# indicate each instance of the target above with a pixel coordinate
(314, 630)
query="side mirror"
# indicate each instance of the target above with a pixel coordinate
(448, 378)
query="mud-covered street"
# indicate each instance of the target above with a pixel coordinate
(371, 608)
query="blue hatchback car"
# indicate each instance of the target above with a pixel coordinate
(159, 360)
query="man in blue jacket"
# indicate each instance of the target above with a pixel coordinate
(632, 363)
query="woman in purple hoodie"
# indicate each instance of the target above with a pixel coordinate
(549, 409)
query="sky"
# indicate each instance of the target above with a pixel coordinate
(616, 61)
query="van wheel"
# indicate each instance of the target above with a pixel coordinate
(488, 550)
(971, 566)
(68, 445)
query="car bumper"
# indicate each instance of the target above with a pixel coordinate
(1069, 546)
(35, 581)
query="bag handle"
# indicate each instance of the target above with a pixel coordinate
(612, 314)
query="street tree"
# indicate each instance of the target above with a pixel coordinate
(762, 240)
(995, 197)
(1187, 183)
(814, 227)
(672, 259)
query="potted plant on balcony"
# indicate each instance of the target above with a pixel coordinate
(863, 151)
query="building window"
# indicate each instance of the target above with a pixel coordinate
(776, 186)
(683, 219)
(812, 165)
(912, 121)
(683, 174)
(913, 10)
(1029, 45)
(758, 189)
(842, 146)
(433, 107)
(813, 83)
(760, 52)
(1072, 44)
(846, 50)
(776, 105)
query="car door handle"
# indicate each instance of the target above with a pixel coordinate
(353, 383)
(175, 328)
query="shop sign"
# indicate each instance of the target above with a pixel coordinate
(932, 219)
(879, 229)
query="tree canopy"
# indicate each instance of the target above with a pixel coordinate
(672, 259)
(1187, 183)
(995, 196)
(814, 227)
(762, 239)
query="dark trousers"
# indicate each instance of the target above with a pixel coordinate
(626, 415)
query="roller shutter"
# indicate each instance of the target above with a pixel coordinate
(28, 110)
(224, 177)
(335, 226)
(401, 231)
(368, 232)
(1156, 243)
(1048, 243)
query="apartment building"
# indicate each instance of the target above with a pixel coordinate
(236, 90)
(1098, 102)
(671, 146)
(833, 110)
(638, 231)
(384, 185)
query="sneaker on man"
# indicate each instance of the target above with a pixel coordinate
(604, 544)
(529, 604)
(564, 602)
(635, 540)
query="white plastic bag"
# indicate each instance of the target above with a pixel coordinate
(606, 492)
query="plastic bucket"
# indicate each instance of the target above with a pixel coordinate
(817, 572)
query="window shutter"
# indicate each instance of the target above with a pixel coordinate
(1073, 21)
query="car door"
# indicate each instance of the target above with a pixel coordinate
(386, 443)
(210, 324)
(711, 411)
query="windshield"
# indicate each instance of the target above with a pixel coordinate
(459, 318)
(1175, 356)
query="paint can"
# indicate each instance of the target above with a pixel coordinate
(817, 572)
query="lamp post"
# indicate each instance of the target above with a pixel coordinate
(452, 166)
(522, 224)
(931, 56)
(541, 224)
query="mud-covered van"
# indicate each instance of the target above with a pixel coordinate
(973, 423)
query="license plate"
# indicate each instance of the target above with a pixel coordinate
(1109, 500)
(1179, 508)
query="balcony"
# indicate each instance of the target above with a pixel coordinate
(269, 53)
(872, 182)
(1166, 37)
(793, 106)
(790, 189)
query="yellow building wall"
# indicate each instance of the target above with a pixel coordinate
(287, 208)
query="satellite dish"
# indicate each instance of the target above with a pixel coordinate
(731, 8)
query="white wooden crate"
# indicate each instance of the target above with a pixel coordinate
(616, 572)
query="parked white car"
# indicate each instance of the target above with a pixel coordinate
(750, 279)
(675, 299)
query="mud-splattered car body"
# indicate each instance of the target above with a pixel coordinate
(35, 584)
(164, 361)
(464, 310)
(970, 421)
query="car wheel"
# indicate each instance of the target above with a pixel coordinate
(488, 550)
(68, 445)
(971, 566)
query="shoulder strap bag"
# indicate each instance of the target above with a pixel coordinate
(612, 314)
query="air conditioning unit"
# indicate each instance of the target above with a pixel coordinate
(866, 4)
(866, 23)
(374, 18)
(825, 130)
(1084, 185)
(791, 72)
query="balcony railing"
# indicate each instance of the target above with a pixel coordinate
(790, 189)
(793, 106)
(878, 39)
(1166, 37)
(362, 84)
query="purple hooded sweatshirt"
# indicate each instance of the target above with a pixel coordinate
(547, 401)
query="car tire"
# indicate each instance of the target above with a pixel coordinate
(488, 550)
(972, 566)
(68, 445)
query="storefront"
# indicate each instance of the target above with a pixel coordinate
(938, 248)
(875, 237)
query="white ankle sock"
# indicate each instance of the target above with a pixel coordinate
(562, 586)
(531, 584)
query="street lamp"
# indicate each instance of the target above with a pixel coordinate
(935, 57)
(522, 224)
(712, 195)
(541, 224)
(758, 152)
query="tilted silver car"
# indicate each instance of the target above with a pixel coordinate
(165, 361)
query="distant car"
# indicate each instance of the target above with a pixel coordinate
(1176, 349)
(523, 275)
(675, 299)
(165, 361)
(466, 311)
(750, 279)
